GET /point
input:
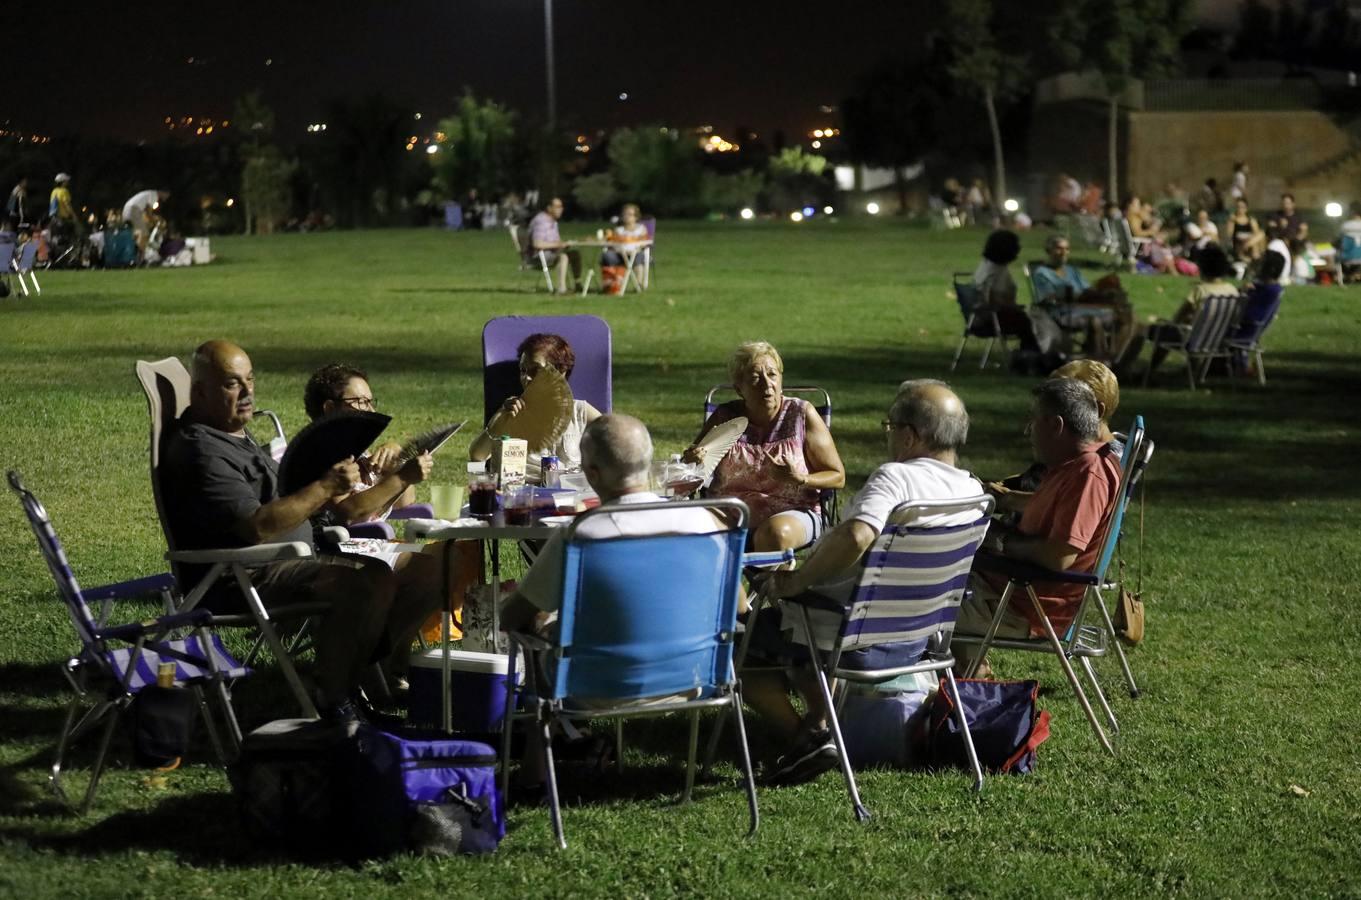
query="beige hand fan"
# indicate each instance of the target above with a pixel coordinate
(547, 411)
(718, 442)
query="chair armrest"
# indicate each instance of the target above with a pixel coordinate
(260, 553)
(816, 601)
(767, 558)
(414, 511)
(1020, 570)
(334, 533)
(151, 584)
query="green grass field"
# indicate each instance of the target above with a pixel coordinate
(1239, 770)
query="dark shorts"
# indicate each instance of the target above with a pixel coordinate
(281, 584)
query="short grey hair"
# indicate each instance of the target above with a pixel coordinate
(1074, 402)
(941, 428)
(620, 447)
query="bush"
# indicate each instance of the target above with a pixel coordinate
(655, 168)
(595, 193)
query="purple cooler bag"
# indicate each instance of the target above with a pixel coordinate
(424, 793)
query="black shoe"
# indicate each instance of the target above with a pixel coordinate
(805, 762)
(344, 715)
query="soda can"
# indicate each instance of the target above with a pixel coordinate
(550, 471)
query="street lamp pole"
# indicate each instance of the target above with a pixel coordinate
(548, 62)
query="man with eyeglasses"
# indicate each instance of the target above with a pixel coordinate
(926, 426)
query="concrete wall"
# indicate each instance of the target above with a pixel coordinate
(1280, 147)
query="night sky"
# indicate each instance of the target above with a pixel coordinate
(121, 68)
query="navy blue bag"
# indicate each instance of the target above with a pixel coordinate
(1003, 722)
(424, 793)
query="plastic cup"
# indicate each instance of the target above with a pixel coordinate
(447, 500)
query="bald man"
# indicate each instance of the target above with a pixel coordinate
(616, 457)
(221, 490)
(925, 428)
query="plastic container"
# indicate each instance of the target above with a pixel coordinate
(477, 689)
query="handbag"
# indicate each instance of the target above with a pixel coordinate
(1004, 726)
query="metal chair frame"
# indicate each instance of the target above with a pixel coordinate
(971, 310)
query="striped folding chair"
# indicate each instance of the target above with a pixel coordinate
(828, 499)
(1203, 341)
(905, 604)
(106, 678)
(626, 637)
(1083, 641)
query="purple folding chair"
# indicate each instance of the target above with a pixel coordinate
(23, 261)
(106, 678)
(589, 336)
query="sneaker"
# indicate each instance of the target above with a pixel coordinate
(806, 762)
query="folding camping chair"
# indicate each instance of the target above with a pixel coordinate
(979, 320)
(590, 340)
(828, 498)
(6, 255)
(166, 384)
(24, 258)
(906, 600)
(1348, 259)
(625, 635)
(107, 678)
(1244, 341)
(1082, 641)
(531, 260)
(1201, 342)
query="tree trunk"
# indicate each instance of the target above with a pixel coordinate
(999, 196)
(1112, 158)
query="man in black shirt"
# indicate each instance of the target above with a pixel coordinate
(220, 490)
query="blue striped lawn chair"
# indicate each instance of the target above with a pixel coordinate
(1083, 641)
(1202, 341)
(625, 635)
(822, 402)
(106, 678)
(906, 601)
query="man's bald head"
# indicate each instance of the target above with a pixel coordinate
(934, 412)
(222, 386)
(616, 454)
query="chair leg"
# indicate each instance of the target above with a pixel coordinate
(1119, 650)
(861, 813)
(63, 741)
(981, 651)
(257, 608)
(738, 660)
(37, 287)
(1190, 371)
(964, 730)
(98, 771)
(959, 351)
(747, 772)
(1100, 694)
(1069, 673)
(987, 351)
(1261, 369)
(690, 758)
(619, 745)
(554, 805)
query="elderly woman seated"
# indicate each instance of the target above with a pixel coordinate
(785, 456)
(536, 352)
(1103, 309)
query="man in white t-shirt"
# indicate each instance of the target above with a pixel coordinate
(136, 212)
(926, 425)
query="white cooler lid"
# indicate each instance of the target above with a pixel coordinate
(462, 661)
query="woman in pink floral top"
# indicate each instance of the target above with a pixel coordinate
(781, 461)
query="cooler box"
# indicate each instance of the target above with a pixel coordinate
(201, 249)
(477, 689)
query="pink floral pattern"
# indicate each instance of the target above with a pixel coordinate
(746, 472)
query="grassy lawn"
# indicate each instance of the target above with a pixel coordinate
(1239, 770)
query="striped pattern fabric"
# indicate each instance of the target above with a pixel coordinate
(912, 584)
(1217, 314)
(187, 654)
(48, 543)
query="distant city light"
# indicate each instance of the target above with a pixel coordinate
(808, 212)
(817, 145)
(623, 95)
(410, 147)
(231, 201)
(1333, 210)
(872, 208)
(817, 132)
(1012, 205)
(827, 210)
(432, 149)
(418, 117)
(747, 213)
(796, 216)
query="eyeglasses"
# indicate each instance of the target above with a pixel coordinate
(363, 403)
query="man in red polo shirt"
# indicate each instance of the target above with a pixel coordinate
(1062, 524)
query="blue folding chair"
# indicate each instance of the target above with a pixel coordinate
(828, 498)
(1082, 641)
(106, 678)
(625, 635)
(905, 604)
